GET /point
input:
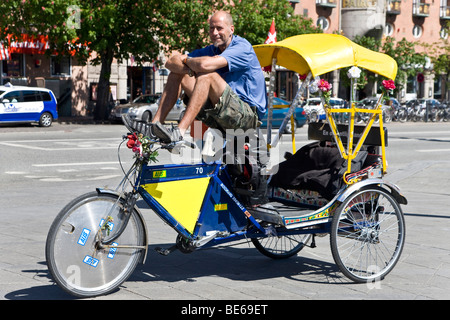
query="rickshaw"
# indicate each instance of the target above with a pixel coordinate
(97, 240)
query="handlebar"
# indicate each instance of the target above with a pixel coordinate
(137, 127)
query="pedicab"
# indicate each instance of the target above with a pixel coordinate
(335, 188)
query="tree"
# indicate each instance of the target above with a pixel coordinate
(104, 30)
(252, 19)
(408, 60)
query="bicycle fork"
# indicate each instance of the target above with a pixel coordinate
(102, 243)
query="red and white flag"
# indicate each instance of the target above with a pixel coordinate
(272, 35)
(271, 38)
(4, 52)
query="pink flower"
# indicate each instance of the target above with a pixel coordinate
(324, 86)
(388, 84)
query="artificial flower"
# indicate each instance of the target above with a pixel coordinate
(354, 72)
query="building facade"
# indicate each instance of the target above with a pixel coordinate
(418, 21)
(74, 84)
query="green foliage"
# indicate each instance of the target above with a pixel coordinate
(252, 20)
(139, 28)
(37, 17)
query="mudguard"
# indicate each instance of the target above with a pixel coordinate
(395, 191)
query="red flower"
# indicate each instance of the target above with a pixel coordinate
(131, 140)
(302, 76)
(388, 84)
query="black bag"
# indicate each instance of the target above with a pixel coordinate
(318, 167)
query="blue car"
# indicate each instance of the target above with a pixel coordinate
(27, 104)
(280, 109)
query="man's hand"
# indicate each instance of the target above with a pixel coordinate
(175, 64)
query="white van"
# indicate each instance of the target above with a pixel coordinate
(20, 104)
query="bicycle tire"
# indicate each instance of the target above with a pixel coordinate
(73, 258)
(281, 247)
(367, 235)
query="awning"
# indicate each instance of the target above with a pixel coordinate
(321, 53)
(26, 44)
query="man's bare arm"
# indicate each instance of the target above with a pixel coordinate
(181, 63)
(175, 64)
(206, 64)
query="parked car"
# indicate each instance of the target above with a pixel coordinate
(280, 109)
(19, 104)
(315, 111)
(144, 107)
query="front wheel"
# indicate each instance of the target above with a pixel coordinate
(367, 234)
(77, 262)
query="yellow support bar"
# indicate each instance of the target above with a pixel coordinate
(351, 153)
(293, 133)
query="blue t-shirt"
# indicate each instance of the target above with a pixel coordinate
(243, 73)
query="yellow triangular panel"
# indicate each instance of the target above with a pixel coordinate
(182, 199)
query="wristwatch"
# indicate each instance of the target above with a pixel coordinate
(190, 72)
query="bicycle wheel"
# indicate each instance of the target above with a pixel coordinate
(367, 235)
(281, 247)
(74, 260)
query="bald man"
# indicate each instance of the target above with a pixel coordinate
(224, 84)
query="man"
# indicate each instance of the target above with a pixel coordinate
(223, 81)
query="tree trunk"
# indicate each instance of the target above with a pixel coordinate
(103, 90)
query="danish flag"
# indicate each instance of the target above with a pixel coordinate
(272, 35)
(271, 38)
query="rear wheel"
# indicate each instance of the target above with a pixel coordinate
(46, 119)
(76, 261)
(367, 235)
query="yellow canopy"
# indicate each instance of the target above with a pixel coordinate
(321, 53)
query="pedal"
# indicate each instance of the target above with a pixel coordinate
(166, 251)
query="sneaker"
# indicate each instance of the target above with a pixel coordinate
(165, 134)
(138, 126)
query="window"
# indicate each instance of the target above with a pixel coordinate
(323, 23)
(46, 96)
(388, 29)
(417, 31)
(443, 33)
(60, 66)
(13, 96)
(411, 84)
(14, 67)
(31, 96)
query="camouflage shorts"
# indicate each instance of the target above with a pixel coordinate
(229, 113)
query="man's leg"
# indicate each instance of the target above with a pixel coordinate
(207, 85)
(169, 96)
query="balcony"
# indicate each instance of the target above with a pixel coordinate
(421, 9)
(394, 7)
(326, 3)
(445, 12)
